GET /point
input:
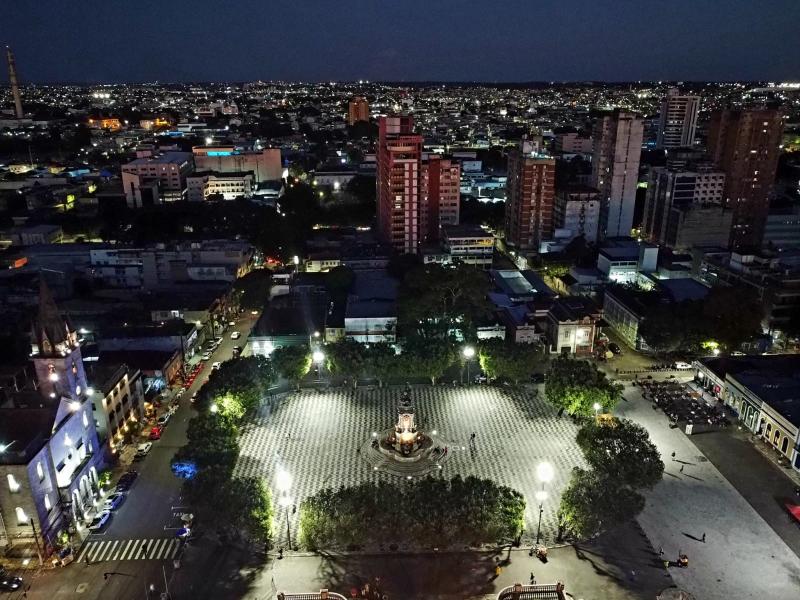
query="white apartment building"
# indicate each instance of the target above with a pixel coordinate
(577, 213)
(677, 120)
(201, 185)
(156, 179)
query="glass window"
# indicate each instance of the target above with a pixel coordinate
(13, 484)
(22, 517)
(40, 470)
(47, 504)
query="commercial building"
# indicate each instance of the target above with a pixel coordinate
(416, 195)
(265, 164)
(156, 179)
(117, 401)
(577, 212)
(677, 120)
(163, 266)
(685, 208)
(745, 144)
(764, 391)
(622, 260)
(573, 143)
(782, 229)
(530, 197)
(469, 244)
(357, 110)
(371, 312)
(617, 139)
(205, 185)
(572, 325)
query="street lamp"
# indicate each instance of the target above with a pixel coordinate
(545, 473)
(318, 356)
(283, 481)
(596, 406)
(213, 408)
(4, 447)
(469, 353)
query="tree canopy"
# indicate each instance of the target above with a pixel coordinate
(242, 381)
(433, 512)
(621, 449)
(515, 362)
(577, 385)
(292, 362)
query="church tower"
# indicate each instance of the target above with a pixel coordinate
(57, 354)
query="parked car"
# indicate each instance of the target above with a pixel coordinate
(206, 356)
(164, 419)
(113, 501)
(155, 433)
(100, 520)
(253, 312)
(683, 366)
(142, 450)
(181, 392)
(615, 348)
(8, 582)
(194, 396)
(126, 481)
(216, 365)
(235, 335)
(231, 323)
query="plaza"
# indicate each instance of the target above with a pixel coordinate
(317, 437)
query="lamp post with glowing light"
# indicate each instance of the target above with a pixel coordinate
(469, 354)
(545, 473)
(596, 406)
(318, 356)
(283, 481)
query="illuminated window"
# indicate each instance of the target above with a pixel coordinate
(47, 504)
(13, 484)
(22, 517)
(85, 420)
(40, 470)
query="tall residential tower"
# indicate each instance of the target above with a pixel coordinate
(617, 142)
(12, 78)
(745, 144)
(677, 120)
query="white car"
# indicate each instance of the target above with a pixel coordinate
(100, 520)
(113, 501)
(682, 366)
(216, 365)
(235, 335)
(163, 419)
(231, 323)
(206, 356)
(143, 449)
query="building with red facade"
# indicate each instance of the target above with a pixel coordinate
(416, 195)
(530, 197)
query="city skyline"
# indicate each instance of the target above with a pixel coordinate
(322, 43)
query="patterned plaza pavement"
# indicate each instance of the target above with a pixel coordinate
(316, 437)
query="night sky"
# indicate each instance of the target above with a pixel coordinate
(457, 40)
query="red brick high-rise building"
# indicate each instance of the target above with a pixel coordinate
(399, 155)
(530, 197)
(745, 144)
(357, 110)
(416, 195)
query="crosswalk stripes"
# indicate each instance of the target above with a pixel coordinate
(107, 550)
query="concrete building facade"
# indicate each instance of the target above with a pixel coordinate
(530, 198)
(677, 120)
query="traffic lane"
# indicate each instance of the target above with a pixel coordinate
(151, 501)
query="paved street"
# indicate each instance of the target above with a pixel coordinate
(314, 435)
(148, 515)
(742, 557)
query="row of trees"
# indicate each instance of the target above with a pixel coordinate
(432, 511)
(242, 504)
(622, 461)
(729, 316)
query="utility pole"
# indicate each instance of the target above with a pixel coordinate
(36, 537)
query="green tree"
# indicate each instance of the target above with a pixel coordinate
(592, 504)
(212, 439)
(621, 450)
(427, 357)
(577, 385)
(292, 362)
(253, 289)
(382, 362)
(243, 381)
(249, 504)
(733, 315)
(515, 362)
(435, 299)
(347, 358)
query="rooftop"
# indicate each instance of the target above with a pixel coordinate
(163, 159)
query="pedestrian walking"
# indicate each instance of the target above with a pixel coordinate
(682, 468)
(704, 537)
(533, 579)
(144, 549)
(87, 560)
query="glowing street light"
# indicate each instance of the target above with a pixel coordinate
(469, 354)
(545, 474)
(596, 406)
(318, 356)
(213, 408)
(283, 481)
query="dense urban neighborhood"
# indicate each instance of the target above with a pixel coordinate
(418, 341)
